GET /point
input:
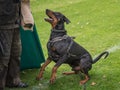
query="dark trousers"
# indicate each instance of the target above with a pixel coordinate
(10, 51)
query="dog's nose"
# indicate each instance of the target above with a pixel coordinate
(47, 10)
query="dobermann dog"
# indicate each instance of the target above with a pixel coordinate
(63, 49)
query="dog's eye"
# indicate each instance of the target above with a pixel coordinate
(57, 13)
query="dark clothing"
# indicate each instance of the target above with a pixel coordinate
(9, 14)
(10, 44)
(10, 59)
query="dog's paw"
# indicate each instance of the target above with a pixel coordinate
(39, 78)
(82, 82)
(52, 80)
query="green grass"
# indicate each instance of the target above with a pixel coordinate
(95, 24)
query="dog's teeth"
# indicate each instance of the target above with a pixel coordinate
(50, 19)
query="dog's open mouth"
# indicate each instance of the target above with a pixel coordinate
(48, 19)
(50, 15)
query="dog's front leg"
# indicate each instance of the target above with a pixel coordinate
(53, 75)
(54, 70)
(40, 75)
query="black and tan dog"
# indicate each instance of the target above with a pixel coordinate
(63, 49)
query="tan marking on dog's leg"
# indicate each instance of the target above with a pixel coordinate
(85, 80)
(68, 73)
(40, 75)
(53, 75)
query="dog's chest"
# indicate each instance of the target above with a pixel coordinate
(58, 47)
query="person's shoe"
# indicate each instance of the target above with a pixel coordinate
(20, 85)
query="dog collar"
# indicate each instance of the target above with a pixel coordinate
(59, 38)
(55, 30)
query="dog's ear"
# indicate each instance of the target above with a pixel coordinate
(66, 20)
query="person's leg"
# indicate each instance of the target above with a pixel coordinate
(14, 64)
(5, 47)
(3, 73)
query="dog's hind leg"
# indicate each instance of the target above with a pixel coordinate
(85, 80)
(40, 75)
(75, 71)
(69, 73)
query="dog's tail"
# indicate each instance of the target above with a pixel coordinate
(106, 53)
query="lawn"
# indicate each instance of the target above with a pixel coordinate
(95, 24)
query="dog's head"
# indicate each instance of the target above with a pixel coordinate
(56, 18)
